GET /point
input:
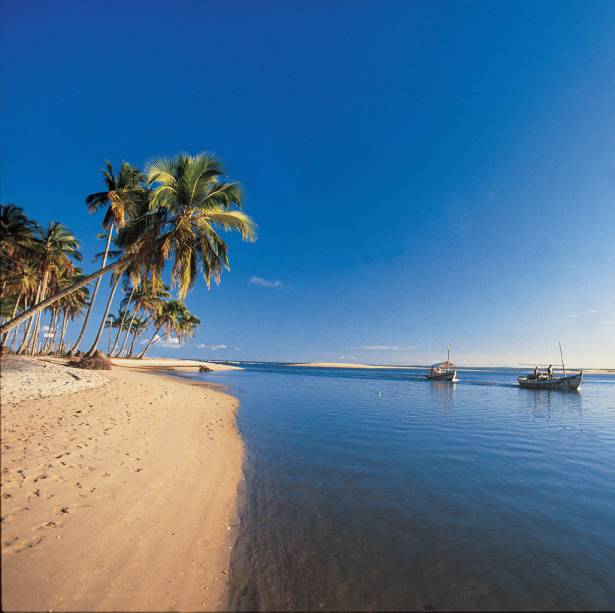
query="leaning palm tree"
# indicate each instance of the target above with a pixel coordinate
(190, 204)
(118, 198)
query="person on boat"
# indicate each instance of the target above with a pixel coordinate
(535, 372)
(550, 371)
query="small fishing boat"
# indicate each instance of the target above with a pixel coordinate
(443, 371)
(544, 379)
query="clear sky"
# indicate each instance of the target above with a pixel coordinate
(422, 173)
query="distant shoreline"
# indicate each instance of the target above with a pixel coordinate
(589, 371)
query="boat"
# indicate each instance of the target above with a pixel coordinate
(543, 378)
(443, 371)
(543, 381)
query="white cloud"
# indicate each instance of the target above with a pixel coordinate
(212, 347)
(168, 341)
(387, 348)
(593, 311)
(348, 357)
(574, 316)
(265, 282)
(608, 323)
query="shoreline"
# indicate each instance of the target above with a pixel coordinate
(589, 371)
(122, 496)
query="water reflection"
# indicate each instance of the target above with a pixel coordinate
(443, 394)
(374, 491)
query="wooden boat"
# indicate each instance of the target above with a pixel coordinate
(443, 371)
(544, 382)
(543, 379)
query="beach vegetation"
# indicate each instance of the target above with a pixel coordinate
(163, 230)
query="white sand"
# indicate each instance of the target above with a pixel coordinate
(27, 378)
(170, 363)
(117, 498)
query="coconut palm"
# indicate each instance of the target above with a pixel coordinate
(167, 318)
(117, 198)
(174, 318)
(16, 234)
(147, 299)
(125, 303)
(189, 205)
(16, 230)
(54, 250)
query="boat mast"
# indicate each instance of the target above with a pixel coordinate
(562, 356)
(448, 354)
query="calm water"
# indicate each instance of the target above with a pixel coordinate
(380, 490)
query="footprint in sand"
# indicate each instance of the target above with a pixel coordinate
(29, 544)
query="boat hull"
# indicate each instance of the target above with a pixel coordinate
(445, 376)
(570, 383)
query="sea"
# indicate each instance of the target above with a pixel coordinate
(379, 490)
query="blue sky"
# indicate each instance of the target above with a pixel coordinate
(422, 173)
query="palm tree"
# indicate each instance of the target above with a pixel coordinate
(16, 233)
(138, 327)
(167, 318)
(124, 307)
(173, 317)
(112, 322)
(147, 298)
(54, 250)
(188, 206)
(117, 198)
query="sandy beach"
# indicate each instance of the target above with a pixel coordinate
(170, 364)
(119, 494)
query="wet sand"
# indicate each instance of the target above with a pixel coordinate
(118, 497)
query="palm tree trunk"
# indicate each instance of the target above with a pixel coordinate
(134, 337)
(52, 330)
(119, 332)
(132, 345)
(3, 337)
(35, 340)
(52, 340)
(151, 340)
(16, 329)
(64, 321)
(37, 308)
(24, 340)
(134, 314)
(94, 293)
(94, 346)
